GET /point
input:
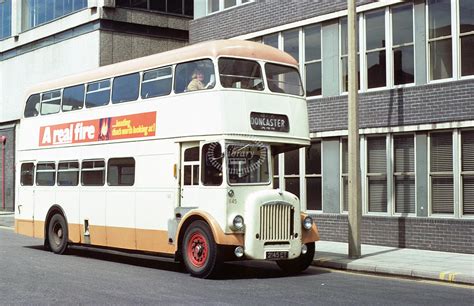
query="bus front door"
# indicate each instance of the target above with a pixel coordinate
(189, 174)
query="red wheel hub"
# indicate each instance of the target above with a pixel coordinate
(197, 249)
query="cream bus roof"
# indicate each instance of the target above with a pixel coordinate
(240, 48)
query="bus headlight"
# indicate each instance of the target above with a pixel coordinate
(307, 222)
(237, 223)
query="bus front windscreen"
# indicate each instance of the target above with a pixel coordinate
(247, 164)
(284, 79)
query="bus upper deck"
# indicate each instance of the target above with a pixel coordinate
(213, 88)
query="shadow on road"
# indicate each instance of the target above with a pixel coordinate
(228, 271)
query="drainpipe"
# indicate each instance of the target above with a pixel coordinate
(3, 140)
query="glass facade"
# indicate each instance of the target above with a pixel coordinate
(38, 12)
(5, 19)
(176, 7)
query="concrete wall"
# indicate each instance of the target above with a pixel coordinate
(18, 73)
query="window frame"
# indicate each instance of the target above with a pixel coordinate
(458, 44)
(312, 175)
(368, 175)
(221, 6)
(142, 81)
(440, 174)
(111, 98)
(364, 72)
(42, 100)
(104, 169)
(107, 179)
(33, 174)
(100, 89)
(304, 63)
(462, 174)
(394, 175)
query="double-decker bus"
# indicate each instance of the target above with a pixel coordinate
(170, 154)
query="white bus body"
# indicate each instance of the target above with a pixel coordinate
(153, 182)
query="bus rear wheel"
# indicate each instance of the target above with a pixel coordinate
(58, 234)
(199, 249)
(299, 264)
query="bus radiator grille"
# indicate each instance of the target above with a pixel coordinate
(276, 222)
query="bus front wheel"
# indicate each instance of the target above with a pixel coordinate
(58, 234)
(299, 264)
(199, 249)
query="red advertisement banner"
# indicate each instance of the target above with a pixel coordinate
(112, 128)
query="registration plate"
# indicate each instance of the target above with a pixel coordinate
(276, 255)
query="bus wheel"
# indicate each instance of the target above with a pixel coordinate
(297, 265)
(58, 234)
(199, 250)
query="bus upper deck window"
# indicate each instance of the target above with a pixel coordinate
(157, 83)
(238, 73)
(125, 88)
(73, 98)
(50, 102)
(283, 79)
(32, 106)
(192, 76)
(98, 93)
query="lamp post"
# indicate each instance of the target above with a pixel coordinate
(355, 209)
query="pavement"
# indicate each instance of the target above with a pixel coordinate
(402, 262)
(433, 265)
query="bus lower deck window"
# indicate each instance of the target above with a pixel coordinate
(46, 174)
(27, 174)
(121, 172)
(93, 173)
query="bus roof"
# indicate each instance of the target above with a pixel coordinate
(233, 48)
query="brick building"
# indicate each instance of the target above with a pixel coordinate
(49, 39)
(416, 73)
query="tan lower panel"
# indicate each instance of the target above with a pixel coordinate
(121, 237)
(39, 229)
(229, 239)
(24, 227)
(74, 231)
(98, 235)
(154, 241)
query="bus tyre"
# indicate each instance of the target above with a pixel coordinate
(58, 234)
(299, 264)
(199, 250)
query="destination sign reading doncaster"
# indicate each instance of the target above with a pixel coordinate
(269, 122)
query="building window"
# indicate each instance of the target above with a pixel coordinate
(271, 40)
(292, 171)
(344, 54)
(377, 174)
(402, 44)
(345, 174)
(313, 177)
(177, 7)
(466, 30)
(376, 49)
(291, 43)
(441, 173)
(5, 19)
(37, 12)
(404, 173)
(439, 39)
(312, 58)
(467, 172)
(219, 5)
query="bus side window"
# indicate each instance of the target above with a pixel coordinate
(45, 174)
(73, 98)
(212, 164)
(98, 93)
(27, 174)
(68, 173)
(191, 166)
(93, 173)
(195, 75)
(125, 88)
(32, 106)
(50, 102)
(121, 172)
(157, 83)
